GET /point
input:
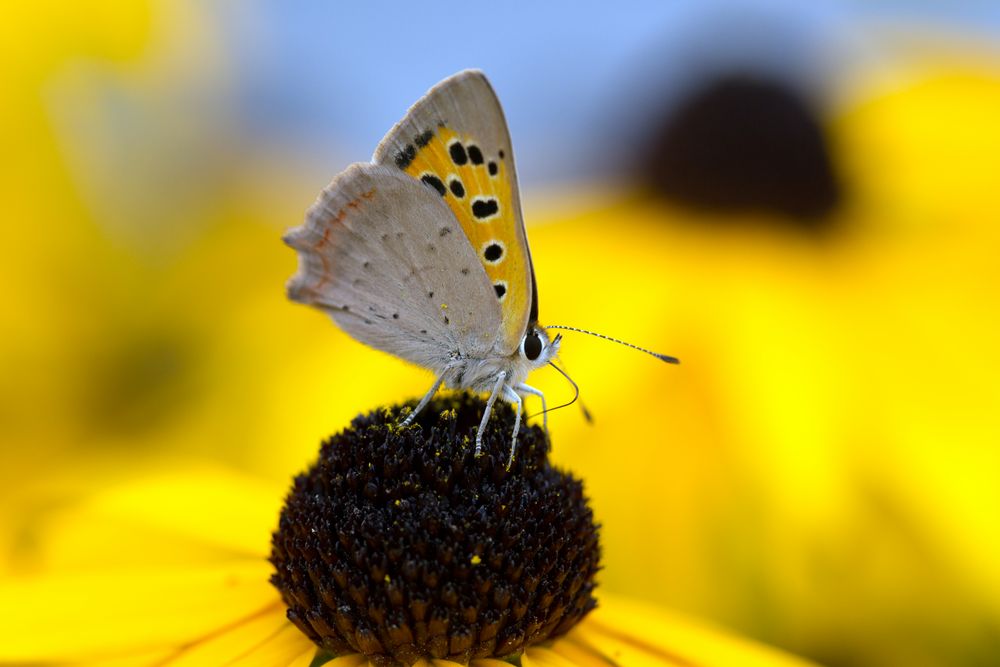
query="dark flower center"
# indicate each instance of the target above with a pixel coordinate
(747, 143)
(400, 544)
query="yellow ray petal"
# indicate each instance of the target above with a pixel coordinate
(264, 639)
(578, 653)
(90, 616)
(173, 519)
(141, 659)
(305, 659)
(543, 657)
(626, 650)
(632, 633)
(352, 660)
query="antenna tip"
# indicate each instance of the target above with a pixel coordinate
(668, 359)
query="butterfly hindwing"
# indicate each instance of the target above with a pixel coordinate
(454, 141)
(386, 258)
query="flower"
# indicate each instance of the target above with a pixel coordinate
(172, 571)
(821, 467)
(402, 543)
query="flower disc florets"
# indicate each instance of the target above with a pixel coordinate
(400, 544)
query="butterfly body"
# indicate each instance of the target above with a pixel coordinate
(480, 374)
(422, 253)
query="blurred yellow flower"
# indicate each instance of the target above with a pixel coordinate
(827, 445)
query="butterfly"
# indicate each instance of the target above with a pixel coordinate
(422, 252)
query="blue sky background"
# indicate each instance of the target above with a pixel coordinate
(577, 80)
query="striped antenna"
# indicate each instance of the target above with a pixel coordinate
(661, 357)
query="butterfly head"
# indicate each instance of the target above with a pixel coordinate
(536, 348)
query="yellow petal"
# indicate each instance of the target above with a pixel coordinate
(200, 516)
(573, 649)
(544, 657)
(352, 660)
(91, 616)
(141, 659)
(264, 639)
(632, 633)
(304, 660)
(246, 644)
(624, 650)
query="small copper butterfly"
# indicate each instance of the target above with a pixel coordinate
(422, 252)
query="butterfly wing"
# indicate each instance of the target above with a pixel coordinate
(386, 258)
(455, 141)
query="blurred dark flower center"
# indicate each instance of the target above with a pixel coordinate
(399, 544)
(745, 144)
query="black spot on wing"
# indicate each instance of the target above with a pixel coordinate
(434, 182)
(457, 152)
(493, 252)
(492, 168)
(456, 187)
(485, 208)
(500, 289)
(405, 156)
(475, 155)
(424, 138)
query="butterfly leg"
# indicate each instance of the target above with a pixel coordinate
(426, 399)
(535, 392)
(497, 387)
(514, 398)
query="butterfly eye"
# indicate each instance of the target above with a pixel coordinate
(532, 346)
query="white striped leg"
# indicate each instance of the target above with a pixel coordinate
(501, 378)
(514, 398)
(535, 392)
(426, 399)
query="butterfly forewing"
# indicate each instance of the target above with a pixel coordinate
(387, 259)
(454, 141)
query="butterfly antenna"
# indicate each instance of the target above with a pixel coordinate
(661, 357)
